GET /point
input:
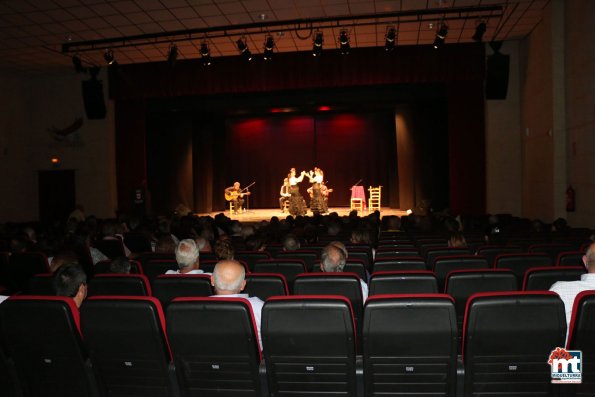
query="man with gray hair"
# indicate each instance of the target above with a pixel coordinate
(228, 281)
(187, 258)
(568, 290)
(333, 260)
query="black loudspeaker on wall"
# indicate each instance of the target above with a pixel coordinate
(93, 99)
(497, 76)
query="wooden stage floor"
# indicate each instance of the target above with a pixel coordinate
(265, 214)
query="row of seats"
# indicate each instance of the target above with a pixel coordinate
(127, 346)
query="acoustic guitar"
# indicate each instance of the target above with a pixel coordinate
(229, 196)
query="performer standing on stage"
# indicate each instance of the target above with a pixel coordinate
(297, 204)
(284, 194)
(236, 196)
(317, 201)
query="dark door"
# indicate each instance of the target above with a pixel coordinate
(56, 194)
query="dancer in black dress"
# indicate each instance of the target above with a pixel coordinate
(317, 202)
(297, 204)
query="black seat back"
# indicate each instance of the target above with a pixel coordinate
(490, 252)
(570, 258)
(409, 345)
(127, 344)
(251, 257)
(520, 263)
(552, 250)
(42, 337)
(157, 267)
(289, 268)
(405, 282)
(137, 242)
(308, 256)
(23, 265)
(344, 284)
(265, 285)
(167, 287)
(399, 264)
(309, 346)
(505, 337)
(119, 284)
(386, 253)
(112, 247)
(542, 278)
(215, 345)
(461, 284)
(103, 267)
(441, 252)
(41, 284)
(445, 265)
(580, 337)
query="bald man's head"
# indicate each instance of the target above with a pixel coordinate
(228, 277)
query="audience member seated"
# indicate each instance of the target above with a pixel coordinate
(332, 260)
(224, 250)
(457, 240)
(111, 230)
(228, 281)
(291, 243)
(120, 265)
(61, 259)
(203, 244)
(187, 257)
(166, 245)
(568, 290)
(255, 243)
(70, 280)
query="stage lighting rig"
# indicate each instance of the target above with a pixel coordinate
(344, 42)
(243, 48)
(269, 44)
(390, 38)
(317, 44)
(440, 36)
(205, 53)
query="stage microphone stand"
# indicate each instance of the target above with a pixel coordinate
(247, 211)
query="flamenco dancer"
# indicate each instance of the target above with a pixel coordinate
(317, 205)
(297, 204)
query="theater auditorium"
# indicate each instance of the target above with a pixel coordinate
(297, 198)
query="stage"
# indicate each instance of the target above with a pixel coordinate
(265, 214)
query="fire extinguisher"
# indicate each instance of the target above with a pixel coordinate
(570, 199)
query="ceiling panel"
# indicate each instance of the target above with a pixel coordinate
(27, 27)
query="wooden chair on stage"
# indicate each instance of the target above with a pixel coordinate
(358, 198)
(375, 198)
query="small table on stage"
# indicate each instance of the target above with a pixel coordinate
(358, 192)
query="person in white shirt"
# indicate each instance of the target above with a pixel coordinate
(568, 290)
(187, 257)
(333, 259)
(228, 281)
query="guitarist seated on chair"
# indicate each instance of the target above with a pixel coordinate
(235, 194)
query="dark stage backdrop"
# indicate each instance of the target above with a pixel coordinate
(460, 69)
(348, 147)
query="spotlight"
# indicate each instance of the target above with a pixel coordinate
(205, 53)
(391, 35)
(269, 44)
(243, 48)
(109, 57)
(317, 44)
(78, 64)
(172, 55)
(479, 31)
(440, 36)
(344, 42)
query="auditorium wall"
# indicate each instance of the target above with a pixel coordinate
(33, 104)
